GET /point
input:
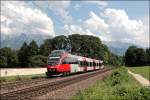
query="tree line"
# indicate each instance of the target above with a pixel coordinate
(135, 56)
(32, 55)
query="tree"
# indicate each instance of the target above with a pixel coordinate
(115, 60)
(8, 57)
(46, 47)
(135, 56)
(89, 46)
(33, 48)
(3, 61)
(23, 55)
(38, 61)
(140, 56)
(59, 42)
(130, 56)
(148, 56)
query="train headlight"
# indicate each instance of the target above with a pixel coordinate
(54, 69)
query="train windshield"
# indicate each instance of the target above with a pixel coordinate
(56, 53)
(54, 57)
(53, 61)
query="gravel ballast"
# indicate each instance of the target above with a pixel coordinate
(69, 91)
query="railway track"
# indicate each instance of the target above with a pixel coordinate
(37, 90)
(13, 85)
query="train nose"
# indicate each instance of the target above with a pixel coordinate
(52, 68)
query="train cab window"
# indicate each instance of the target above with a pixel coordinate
(64, 62)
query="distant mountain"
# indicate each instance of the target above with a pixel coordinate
(118, 47)
(16, 41)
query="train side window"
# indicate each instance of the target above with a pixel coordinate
(94, 64)
(88, 63)
(75, 62)
(81, 63)
(91, 64)
(100, 64)
(78, 62)
(84, 63)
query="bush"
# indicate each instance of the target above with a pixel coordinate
(117, 77)
(120, 91)
(138, 94)
(38, 61)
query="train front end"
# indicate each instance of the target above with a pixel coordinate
(53, 62)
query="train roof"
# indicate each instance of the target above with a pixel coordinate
(78, 58)
(81, 58)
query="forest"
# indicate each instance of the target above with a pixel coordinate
(32, 55)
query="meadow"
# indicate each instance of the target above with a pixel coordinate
(143, 70)
(20, 77)
(119, 85)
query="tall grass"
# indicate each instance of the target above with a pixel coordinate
(119, 85)
(143, 70)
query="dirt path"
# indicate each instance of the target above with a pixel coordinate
(140, 79)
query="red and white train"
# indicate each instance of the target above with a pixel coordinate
(61, 62)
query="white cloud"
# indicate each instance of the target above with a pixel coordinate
(60, 7)
(116, 26)
(122, 28)
(95, 23)
(17, 18)
(57, 7)
(100, 3)
(75, 29)
(77, 6)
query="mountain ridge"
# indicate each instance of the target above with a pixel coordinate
(15, 42)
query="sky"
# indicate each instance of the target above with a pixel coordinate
(124, 21)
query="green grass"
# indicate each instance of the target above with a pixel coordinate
(144, 71)
(119, 85)
(20, 77)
